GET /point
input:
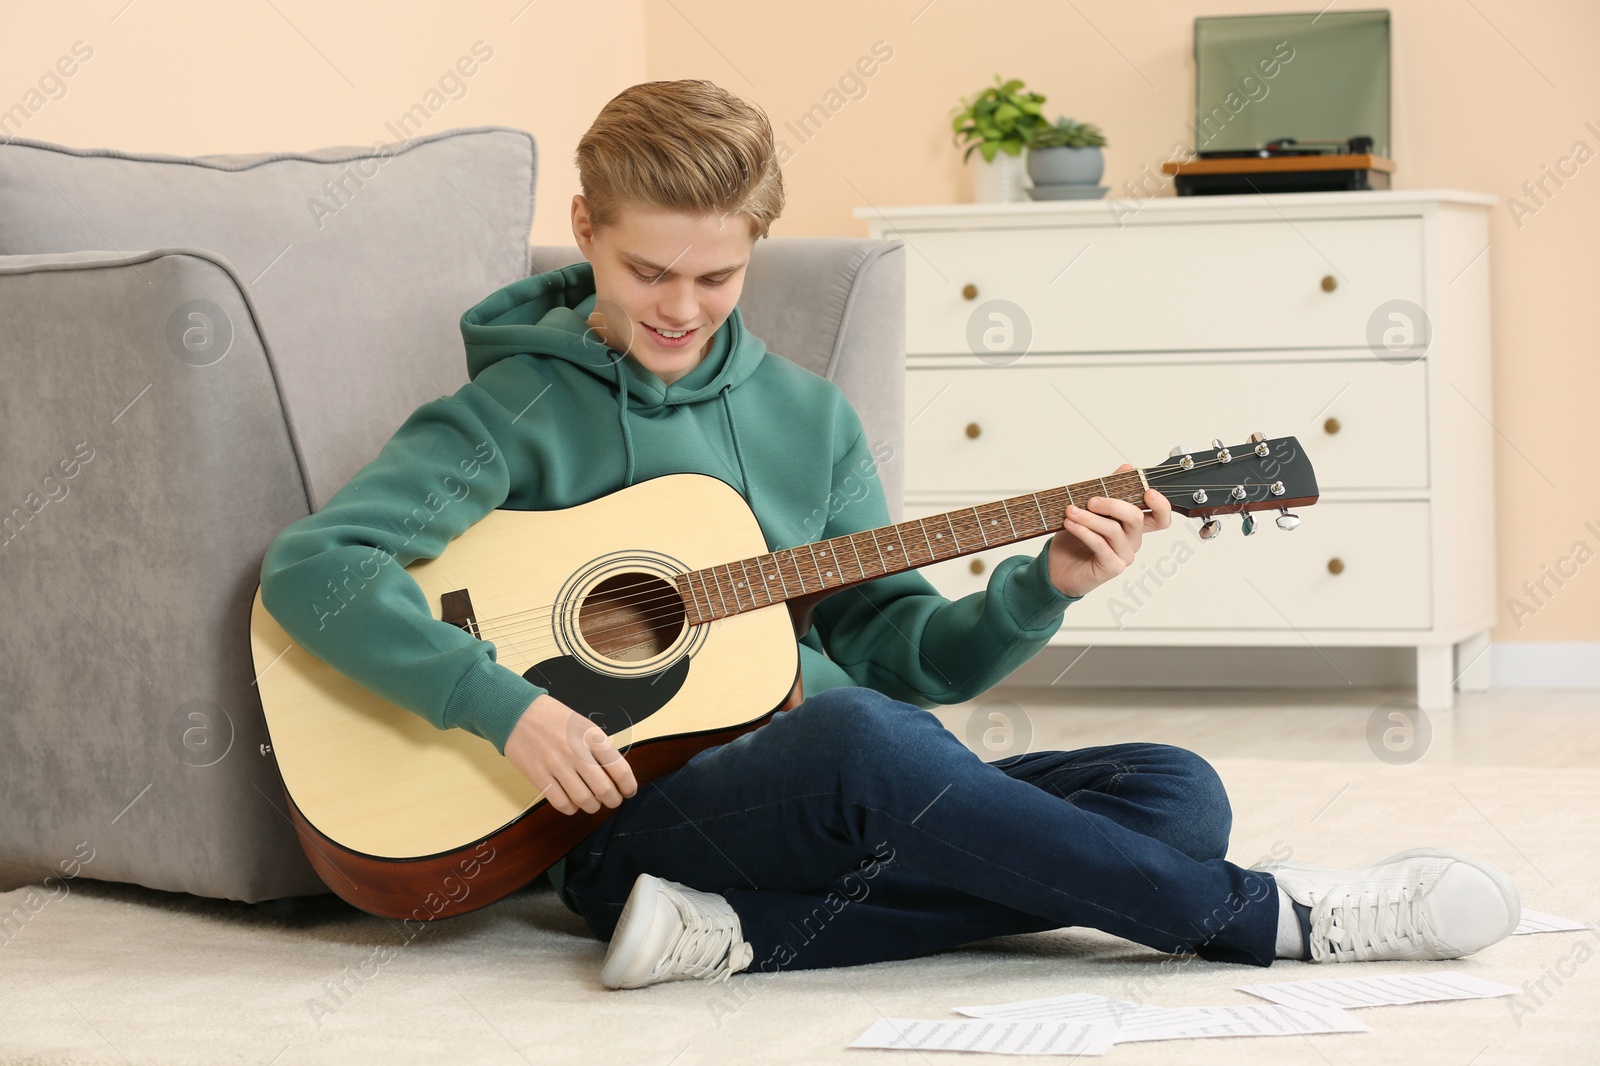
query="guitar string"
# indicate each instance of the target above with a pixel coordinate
(527, 644)
(523, 638)
(658, 595)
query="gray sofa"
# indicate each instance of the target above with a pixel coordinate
(198, 351)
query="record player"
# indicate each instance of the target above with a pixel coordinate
(1284, 165)
(1289, 103)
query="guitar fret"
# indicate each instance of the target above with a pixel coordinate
(953, 536)
(705, 590)
(765, 588)
(823, 578)
(701, 593)
(879, 549)
(745, 570)
(724, 602)
(1044, 523)
(1104, 491)
(905, 560)
(1007, 511)
(718, 580)
(733, 586)
(861, 567)
(924, 527)
(777, 564)
(978, 518)
(766, 578)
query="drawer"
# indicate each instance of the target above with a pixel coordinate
(1179, 582)
(1039, 427)
(1162, 287)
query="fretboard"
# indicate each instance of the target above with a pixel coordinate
(748, 584)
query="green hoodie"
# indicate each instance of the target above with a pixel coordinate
(551, 418)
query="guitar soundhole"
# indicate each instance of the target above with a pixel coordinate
(629, 617)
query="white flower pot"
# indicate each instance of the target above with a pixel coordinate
(1000, 182)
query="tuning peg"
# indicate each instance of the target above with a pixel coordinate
(1210, 528)
(1179, 450)
(1249, 523)
(1287, 520)
(1257, 437)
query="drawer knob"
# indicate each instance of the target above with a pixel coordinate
(973, 429)
(976, 566)
(1336, 565)
(1329, 283)
(969, 291)
(1331, 426)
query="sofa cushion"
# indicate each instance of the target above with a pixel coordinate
(359, 261)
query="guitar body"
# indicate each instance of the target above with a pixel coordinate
(408, 821)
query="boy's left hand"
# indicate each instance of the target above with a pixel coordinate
(1097, 543)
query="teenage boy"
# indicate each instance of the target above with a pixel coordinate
(853, 828)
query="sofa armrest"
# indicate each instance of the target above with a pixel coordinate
(146, 462)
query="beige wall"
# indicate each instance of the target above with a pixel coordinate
(1485, 94)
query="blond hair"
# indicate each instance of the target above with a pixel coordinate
(687, 146)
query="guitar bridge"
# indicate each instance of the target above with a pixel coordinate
(456, 608)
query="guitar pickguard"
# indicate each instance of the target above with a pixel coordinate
(613, 703)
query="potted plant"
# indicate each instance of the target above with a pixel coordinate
(1065, 161)
(997, 122)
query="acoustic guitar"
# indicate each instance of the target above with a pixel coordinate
(658, 613)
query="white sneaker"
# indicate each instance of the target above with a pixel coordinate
(1420, 904)
(668, 932)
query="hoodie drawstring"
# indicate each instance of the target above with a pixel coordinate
(622, 419)
(627, 434)
(727, 409)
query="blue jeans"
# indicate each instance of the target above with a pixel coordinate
(856, 828)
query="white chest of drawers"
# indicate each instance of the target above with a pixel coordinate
(1049, 342)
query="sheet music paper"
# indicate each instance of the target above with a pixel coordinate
(1004, 1038)
(1076, 1007)
(1137, 1022)
(1380, 991)
(1540, 922)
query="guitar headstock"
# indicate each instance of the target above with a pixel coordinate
(1259, 475)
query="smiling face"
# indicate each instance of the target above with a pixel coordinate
(660, 270)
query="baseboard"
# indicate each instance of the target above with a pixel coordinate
(1533, 664)
(1511, 665)
(1188, 666)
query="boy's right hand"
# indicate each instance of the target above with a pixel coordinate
(569, 757)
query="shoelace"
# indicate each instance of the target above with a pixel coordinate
(1364, 926)
(705, 946)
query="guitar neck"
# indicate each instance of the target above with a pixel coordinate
(820, 566)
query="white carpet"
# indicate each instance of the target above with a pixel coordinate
(115, 974)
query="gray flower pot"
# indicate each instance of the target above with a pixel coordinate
(1066, 166)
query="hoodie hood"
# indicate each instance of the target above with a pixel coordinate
(546, 316)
